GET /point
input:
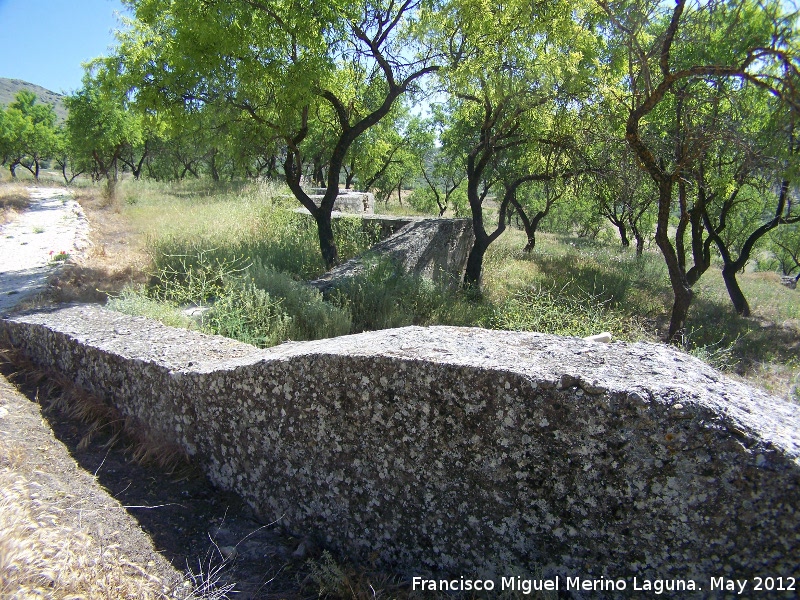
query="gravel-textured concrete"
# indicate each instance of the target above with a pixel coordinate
(349, 201)
(464, 450)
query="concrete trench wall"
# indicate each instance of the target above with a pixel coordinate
(463, 451)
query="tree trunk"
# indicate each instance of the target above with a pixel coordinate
(681, 289)
(639, 239)
(213, 165)
(734, 291)
(111, 185)
(623, 234)
(273, 167)
(472, 276)
(680, 311)
(327, 243)
(317, 173)
(530, 226)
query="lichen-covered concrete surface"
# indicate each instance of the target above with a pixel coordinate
(434, 249)
(464, 450)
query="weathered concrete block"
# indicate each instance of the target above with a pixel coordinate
(462, 450)
(435, 249)
(789, 281)
(349, 201)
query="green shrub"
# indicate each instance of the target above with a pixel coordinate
(288, 244)
(196, 277)
(720, 354)
(311, 317)
(385, 297)
(248, 301)
(248, 314)
(423, 200)
(354, 236)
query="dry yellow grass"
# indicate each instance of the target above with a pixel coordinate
(14, 198)
(41, 556)
(61, 537)
(59, 393)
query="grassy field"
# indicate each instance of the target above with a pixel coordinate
(243, 252)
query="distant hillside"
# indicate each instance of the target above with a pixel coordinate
(10, 87)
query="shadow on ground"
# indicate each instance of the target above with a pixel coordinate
(193, 524)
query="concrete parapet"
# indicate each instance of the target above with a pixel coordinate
(389, 224)
(464, 451)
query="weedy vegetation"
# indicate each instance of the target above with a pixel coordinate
(242, 253)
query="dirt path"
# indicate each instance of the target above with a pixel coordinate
(54, 226)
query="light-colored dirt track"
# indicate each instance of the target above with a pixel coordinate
(54, 224)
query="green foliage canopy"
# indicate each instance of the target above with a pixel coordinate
(28, 133)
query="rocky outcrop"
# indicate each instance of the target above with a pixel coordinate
(434, 249)
(464, 451)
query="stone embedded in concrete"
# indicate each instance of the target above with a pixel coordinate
(464, 450)
(434, 249)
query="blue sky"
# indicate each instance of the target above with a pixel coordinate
(45, 41)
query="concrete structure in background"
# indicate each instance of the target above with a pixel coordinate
(348, 201)
(434, 249)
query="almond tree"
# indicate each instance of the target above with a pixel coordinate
(284, 66)
(674, 53)
(511, 69)
(746, 182)
(785, 246)
(28, 133)
(101, 129)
